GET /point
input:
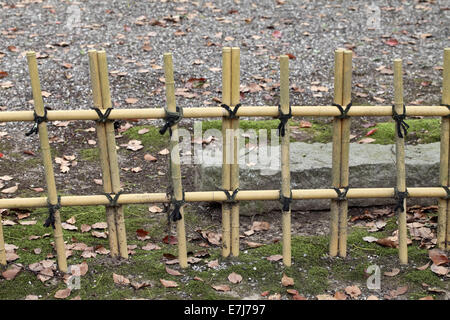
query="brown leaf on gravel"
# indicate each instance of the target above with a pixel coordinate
(11, 256)
(275, 257)
(173, 272)
(234, 277)
(142, 234)
(67, 226)
(100, 225)
(260, 226)
(198, 279)
(353, 291)
(121, 280)
(372, 297)
(99, 234)
(222, 287)
(102, 250)
(287, 281)
(193, 260)
(11, 189)
(438, 256)
(275, 296)
(254, 244)
(155, 209)
(440, 270)
(424, 267)
(72, 220)
(131, 100)
(292, 291)
(149, 157)
(85, 228)
(168, 283)
(150, 247)
(31, 297)
(325, 297)
(392, 273)
(11, 273)
(339, 295)
(139, 285)
(387, 243)
(398, 292)
(427, 298)
(213, 264)
(299, 297)
(305, 124)
(62, 294)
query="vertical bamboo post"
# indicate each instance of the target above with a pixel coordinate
(112, 153)
(444, 217)
(285, 161)
(235, 98)
(400, 162)
(336, 151)
(47, 160)
(226, 169)
(103, 151)
(175, 158)
(345, 149)
(2, 244)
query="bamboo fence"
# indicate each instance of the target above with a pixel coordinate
(338, 194)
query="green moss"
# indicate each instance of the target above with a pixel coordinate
(417, 277)
(425, 130)
(151, 140)
(89, 154)
(319, 132)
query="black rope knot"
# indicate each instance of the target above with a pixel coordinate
(52, 208)
(113, 200)
(171, 118)
(400, 196)
(231, 198)
(400, 120)
(284, 118)
(37, 121)
(447, 190)
(175, 215)
(104, 117)
(341, 196)
(286, 201)
(231, 113)
(343, 111)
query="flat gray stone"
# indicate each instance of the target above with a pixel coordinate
(371, 166)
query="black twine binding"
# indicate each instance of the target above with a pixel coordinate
(231, 198)
(341, 196)
(343, 111)
(400, 120)
(447, 197)
(284, 118)
(171, 118)
(104, 117)
(231, 113)
(286, 201)
(175, 215)
(400, 196)
(37, 121)
(52, 208)
(113, 201)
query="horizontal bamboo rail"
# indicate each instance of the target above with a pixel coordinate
(219, 196)
(211, 112)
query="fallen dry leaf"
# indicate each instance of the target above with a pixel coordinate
(168, 283)
(151, 246)
(325, 297)
(440, 270)
(372, 297)
(260, 226)
(121, 280)
(353, 291)
(438, 256)
(11, 273)
(234, 277)
(99, 234)
(275, 257)
(62, 294)
(173, 272)
(398, 292)
(392, 273)
(100, 225)
(222, 287)
(287, 281)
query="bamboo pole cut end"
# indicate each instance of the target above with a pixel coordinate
(226, 49)
(31, 54)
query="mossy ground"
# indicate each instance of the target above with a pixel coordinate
(313, 271)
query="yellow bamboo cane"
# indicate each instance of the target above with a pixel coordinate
(345, 149)
(400, 162)
(175, 158)
(103, 151)
(47, 160)
(2, 244)
(444, 225)
(235, 98)
(112, 154)
(226, 169)
(285, 161)
(336, 152)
